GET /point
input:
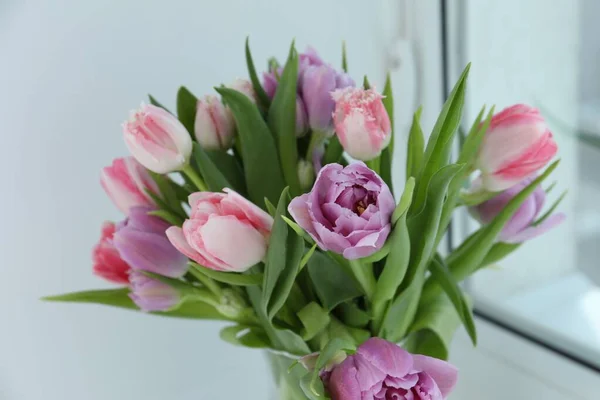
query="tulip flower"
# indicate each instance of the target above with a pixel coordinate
(517, 144)
(225, 232)
(361, 122)
(244, 86)
(382, 370)
(301, 119)
(317, 84)
(157, 139)
(348, 210)
(214, 127)
(126, 182)
(152, 295)
(521, 226)
(108, 264)
(142, 242)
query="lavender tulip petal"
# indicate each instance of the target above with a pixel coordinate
(298, 209)
(317, 84)
(520, 220)
(152, 295)
(386, 356)
(331, 240)
(534, 231)
(344, 382)
(150, 252)
(443, 373)
(140, 220)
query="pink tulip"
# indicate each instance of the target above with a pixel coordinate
(244, 86)
(361, 122)
(108, 264)
(214, 127)
(157, 139)
(126, 182)
(517, 144)
(225, 231)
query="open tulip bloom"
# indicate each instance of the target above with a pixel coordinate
(270, 204)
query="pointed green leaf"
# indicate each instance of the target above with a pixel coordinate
(231, 278)
(401, 311)
(366, 83)
(168, 194)
(259, 152)
(331, 281)
(498, 252)
(551, 209)
(230, 168)
(344, 57)
(168, 217)
(186, 109)
(307, 256)
(282, 122)
(261, 95)
(416, 145)
(353, 315)
(270, 208)
(156, 103)
(241, 335)
(314, 319)
(442, 275)
(333, 152)
(387, 155)
(213, 177)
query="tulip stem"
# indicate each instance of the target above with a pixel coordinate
(193, 175)
(374, 164)
(209, 283)
(363, 273)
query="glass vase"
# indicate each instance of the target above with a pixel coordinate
(286, 382)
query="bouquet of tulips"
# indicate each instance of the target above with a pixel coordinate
(271, 207)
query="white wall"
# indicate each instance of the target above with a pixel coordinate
(70, 72)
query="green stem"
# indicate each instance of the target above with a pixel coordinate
(208, 282)
(194, 177)
(375, 164)
(316, 139)
(363, 273)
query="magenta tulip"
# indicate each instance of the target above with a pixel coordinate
(381, 370)
(348, 210)
(126, 182)
(517, 144)
(361, 122)
(225, 232)
(157, 139)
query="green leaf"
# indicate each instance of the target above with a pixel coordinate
(331, 349)
(551, 209)
(387, 154)
(230, 168)
(168, 194)
(282, 122)
(434, 328)
(298, 229)
(213, 177)
(396, 263)
(282, 260)
(333, 152)
(312, 391)
(261, 95)
(366, 84)
(442, 275)
(241, 335)
(261, 163)
(156, 103)
(120, 298)
(344, 58)
(231, 278)
(416, 145)
(352, 315)
(401, 312)
(314, 319)
(186, 109)
(331, 282)
(439, 147)
(270, 208)
(168, 217)
(498, 252)
(307, 256)
(281, 339)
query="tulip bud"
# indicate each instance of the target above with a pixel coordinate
(143, 244)
(108, 264)
(157, 139)
(317, 84)
(270, 82)
(306, 174)
(126, 182)
(301, 122)
(361, 122)
(521, 226)
(214, 127)
(151, 294)
(244, 86)
(517, 144)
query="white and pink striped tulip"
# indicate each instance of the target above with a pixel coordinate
(517, 144)
(225, 232)
(244, 86)
(361, 122)
(157, 139)
(126, 182)
(214, 127)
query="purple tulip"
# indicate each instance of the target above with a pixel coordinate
(301, 119)
(348, 210)
(317, 85)
(150, 294)
(381, 370)
(143, 244)
(521, 226)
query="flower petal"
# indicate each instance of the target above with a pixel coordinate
(534, 231)
(177, 239)
(443, 373)
(343, 383)
(387, 356)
